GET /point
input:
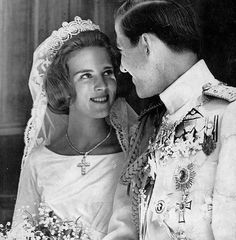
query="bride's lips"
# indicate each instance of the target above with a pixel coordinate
(102, 99)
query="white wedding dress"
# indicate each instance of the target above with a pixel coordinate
(57, 181)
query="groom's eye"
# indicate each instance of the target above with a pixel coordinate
(109, 72)
(119, 49)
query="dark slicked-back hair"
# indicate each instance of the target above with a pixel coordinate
(59, 88)
(173, 23)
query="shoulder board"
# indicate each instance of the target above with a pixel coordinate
(220, 91)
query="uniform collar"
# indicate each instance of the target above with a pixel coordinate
(154, 102)
(187, 87)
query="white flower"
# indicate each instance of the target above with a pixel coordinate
(58, 228)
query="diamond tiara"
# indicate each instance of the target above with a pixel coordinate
(64, 33)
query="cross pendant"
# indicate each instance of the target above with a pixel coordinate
(83, 164)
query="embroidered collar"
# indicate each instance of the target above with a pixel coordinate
(187, 87)
(154, 103)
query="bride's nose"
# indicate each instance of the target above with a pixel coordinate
(100, 83)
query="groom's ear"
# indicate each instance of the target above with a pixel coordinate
(145, 41)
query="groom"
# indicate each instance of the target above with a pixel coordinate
(181, 168)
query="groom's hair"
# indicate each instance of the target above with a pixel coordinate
(59, 88)
(176, 24)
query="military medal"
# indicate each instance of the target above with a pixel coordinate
(184, 177)
(210, 136)
(182, 206)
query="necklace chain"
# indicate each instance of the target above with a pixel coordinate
(90, 150)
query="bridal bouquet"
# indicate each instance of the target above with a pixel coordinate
(47, 226)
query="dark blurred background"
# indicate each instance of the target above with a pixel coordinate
(26, 23)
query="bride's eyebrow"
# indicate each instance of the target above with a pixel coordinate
(82, 71)
(108, 67)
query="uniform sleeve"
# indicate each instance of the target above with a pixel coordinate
(121, 226)
(28, 197)
(224, 198)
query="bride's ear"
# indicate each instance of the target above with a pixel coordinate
(145, 42)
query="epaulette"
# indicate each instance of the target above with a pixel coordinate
(220, 91)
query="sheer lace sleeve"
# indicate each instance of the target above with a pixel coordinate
(124, 119)
(224, 199)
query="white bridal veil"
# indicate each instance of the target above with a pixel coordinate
(45, 126)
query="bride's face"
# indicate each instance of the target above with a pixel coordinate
(92, 72)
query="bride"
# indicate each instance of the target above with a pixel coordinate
(72, 159)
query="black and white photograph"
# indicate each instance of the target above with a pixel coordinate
(117, 120)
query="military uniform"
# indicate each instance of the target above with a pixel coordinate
(183, 180)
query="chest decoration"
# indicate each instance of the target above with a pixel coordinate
(184, 176)
(183, 139)
(180, 142)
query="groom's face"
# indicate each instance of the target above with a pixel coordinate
(132, 61)
(149, 70)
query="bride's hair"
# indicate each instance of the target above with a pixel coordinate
(59, 89)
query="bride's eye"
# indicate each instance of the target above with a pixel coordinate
(86, 76)
(108, 72)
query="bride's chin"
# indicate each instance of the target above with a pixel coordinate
(101, 114)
